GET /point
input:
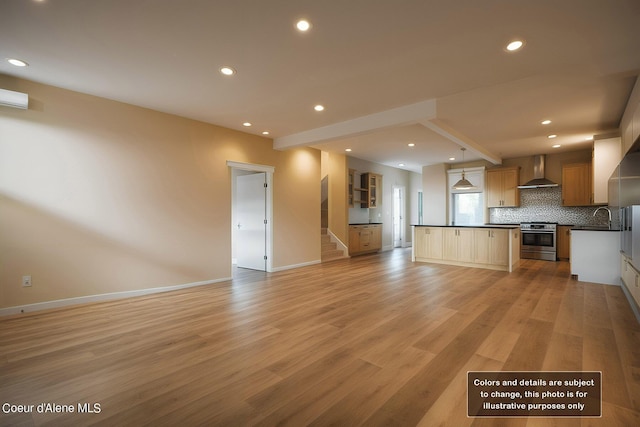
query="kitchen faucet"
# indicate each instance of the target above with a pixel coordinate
(607, 209)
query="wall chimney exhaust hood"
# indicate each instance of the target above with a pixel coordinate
(538, 181)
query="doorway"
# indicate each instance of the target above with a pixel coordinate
(251, 221)
(251, 216)
(398, 216)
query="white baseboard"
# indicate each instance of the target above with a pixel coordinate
(101, 297)
(292, 266)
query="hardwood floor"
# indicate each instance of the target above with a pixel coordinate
(373, 340)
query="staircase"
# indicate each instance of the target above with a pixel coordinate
(330, 251)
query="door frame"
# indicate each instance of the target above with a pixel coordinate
(402, 214)
(269, 171)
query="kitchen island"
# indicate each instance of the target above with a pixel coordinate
(495, 247)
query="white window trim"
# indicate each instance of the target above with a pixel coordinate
(476, 176)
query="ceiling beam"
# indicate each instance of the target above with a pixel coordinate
(451, 134)
(408, 114)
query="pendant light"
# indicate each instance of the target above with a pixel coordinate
(463, 184)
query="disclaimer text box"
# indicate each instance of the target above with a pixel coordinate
(534, 394)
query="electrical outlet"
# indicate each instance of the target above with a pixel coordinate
(26, 281)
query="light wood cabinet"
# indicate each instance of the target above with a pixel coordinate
(428, 242)
(577, 185)
(491, 246)
(502, 187)
(372, 186)
(351, 189)
(364, 190)
(356, 195)
(563, 246)
(458, 244)
(365, 238)
(376, 237)
(354, 239)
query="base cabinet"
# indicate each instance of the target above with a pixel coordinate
(458, 244)
(492, 248)
(631, 279)
(428, 242)
(564, 242)
(365, 238)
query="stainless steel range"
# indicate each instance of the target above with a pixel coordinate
(538, 240)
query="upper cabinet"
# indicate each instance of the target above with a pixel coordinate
(502, 187)
(606, 156)
(355, 194)
(372, 184)
(577, 184)
(364, 190)
(630, 123)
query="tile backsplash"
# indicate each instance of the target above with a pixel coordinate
(545, 205)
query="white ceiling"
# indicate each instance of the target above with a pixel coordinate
(432, 72)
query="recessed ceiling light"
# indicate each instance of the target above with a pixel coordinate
(452, 158)
(556, 146)
(265, 132)
(17, 62)
(401, 164)
(227, 71)
(411, 144)
(319, 107)
(552, 136)
(546, 122)
(347, 149)
(303, 25)
(515, 45)
(246, 124)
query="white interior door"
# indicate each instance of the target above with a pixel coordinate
(398, 217)
(251, 216)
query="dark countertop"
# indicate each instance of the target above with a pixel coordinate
(591, 228)
(365, 223)
(507, 226)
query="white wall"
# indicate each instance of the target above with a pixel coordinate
(100, 197)
(434, 189)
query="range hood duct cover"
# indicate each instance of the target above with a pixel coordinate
(538, 181)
